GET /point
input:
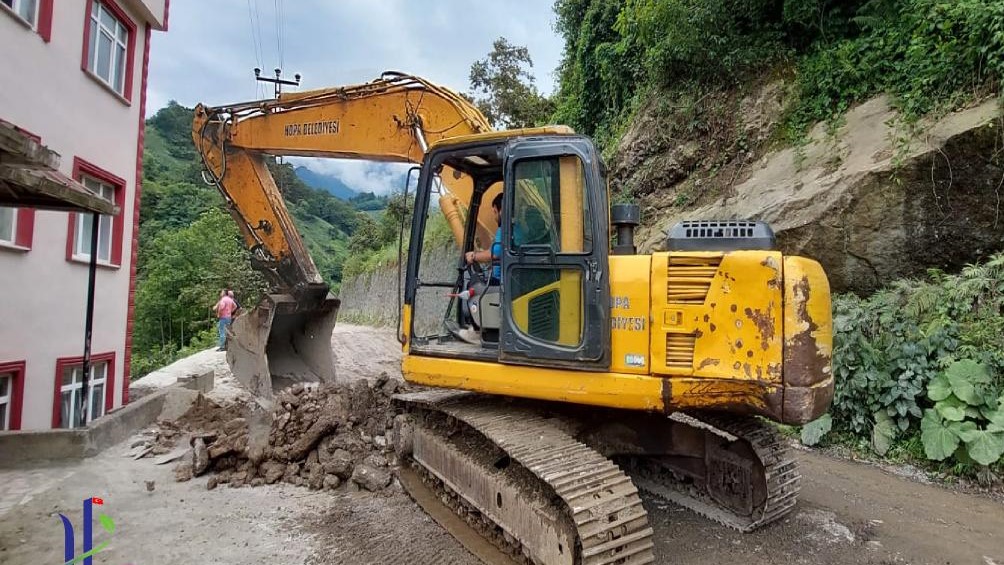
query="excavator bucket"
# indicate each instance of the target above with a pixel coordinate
(282, 341)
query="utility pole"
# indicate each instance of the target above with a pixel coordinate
(278, 81)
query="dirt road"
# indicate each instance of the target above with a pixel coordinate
(849, 513)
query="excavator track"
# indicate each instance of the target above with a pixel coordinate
(741, 493)
(551, 495)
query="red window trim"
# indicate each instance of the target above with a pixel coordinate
(63, 363)
(82, 167)
(44, 25)
(130, 25)
(25, 233)
(137, 192)
(16, 391)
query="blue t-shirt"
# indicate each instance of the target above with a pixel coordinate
(497, 255)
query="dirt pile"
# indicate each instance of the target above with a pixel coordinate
(316, 436)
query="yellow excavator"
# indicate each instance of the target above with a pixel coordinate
(569, 373)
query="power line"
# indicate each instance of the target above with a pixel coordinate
(278, 32)
(255, 43)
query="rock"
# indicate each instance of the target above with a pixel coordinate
(139, 442)
(370, 478)
(869, 207)
(233, 425)
(331, 482)
(200, 456)
(340, 464)
(272, 471)
(292, 469)
(257, 482)
(183, 472)
(150, 485)
(380, 441)
(391, 387)
(212, 483)
(375, 460)
(206, 437)
(297, 388)
(158, 450)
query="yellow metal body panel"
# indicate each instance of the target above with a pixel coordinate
(615, 390)
(630, 319)
(808, 341)
(501, 135)
(392, 118)
(406, 328)
(734, 331)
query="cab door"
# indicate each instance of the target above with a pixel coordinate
(555, 285)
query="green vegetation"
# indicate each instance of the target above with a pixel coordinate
(928, 54)
(190, 247)
(503, 88)
(919, 370)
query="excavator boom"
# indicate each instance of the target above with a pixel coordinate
(394, 119)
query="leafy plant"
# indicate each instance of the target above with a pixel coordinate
(814, 431)
(968, 415)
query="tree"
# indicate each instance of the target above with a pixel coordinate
(502, 88)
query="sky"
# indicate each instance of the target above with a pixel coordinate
(211, 48)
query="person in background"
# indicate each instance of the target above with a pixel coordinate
(224, 311)
(237, 305)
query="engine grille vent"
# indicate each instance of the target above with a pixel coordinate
(680, 351)
(689, 278)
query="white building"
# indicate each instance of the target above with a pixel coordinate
(75, 75)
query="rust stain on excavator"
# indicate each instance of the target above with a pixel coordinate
(764, 322)
(771, 263)
(802, 358)
(708, 363)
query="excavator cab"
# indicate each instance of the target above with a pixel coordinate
(548, 306)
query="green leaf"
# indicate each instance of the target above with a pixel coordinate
(967, 377)
(816, 429)
(107, 523)
(951, 409)
(996, 421)
(939, 441)
(962, 428)
(939, 388)
(883, 433)
(984, 447)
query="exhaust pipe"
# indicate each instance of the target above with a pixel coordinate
(281, 342)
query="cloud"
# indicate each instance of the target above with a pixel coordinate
(360, 176)
(211, 47)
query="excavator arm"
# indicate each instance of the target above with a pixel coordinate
(392, 119)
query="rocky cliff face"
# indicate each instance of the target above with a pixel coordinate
(869, 201)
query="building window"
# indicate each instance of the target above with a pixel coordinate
(6, 399)
(11, 393)
(8, 224)
(110, 228)
(27, 10)
(70, 391)
(84, 223)
(108, 46)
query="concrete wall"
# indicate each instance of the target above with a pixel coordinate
(47, 93)
(370, 298)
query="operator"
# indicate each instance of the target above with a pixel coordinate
(494, 254)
